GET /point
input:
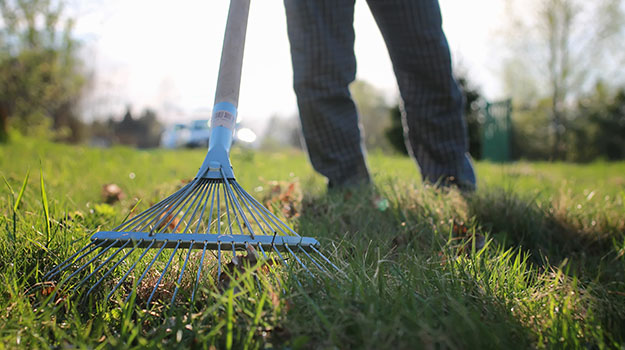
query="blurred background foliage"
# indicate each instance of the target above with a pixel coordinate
(42, 77)
(43, 80)
(560, 66)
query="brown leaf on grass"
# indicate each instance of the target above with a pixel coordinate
(41, 288)
(239, 264)
(286, 196)
(274, 297)
(171, 223)
(252, 255)
(112, 193)
(466, 238)
(46, 289)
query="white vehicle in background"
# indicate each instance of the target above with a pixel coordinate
(175, 136)
(200, 133)
(197, 134)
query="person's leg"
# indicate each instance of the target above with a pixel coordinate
(322, 51)
(432, 111)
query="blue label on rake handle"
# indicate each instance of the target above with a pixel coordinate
(224, 114)
(212, 241)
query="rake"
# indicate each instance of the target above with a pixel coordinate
(211, 214)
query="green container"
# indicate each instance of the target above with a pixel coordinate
(497, 131)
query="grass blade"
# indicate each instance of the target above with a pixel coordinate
(230, 317)
(44, 203)
(19, 196)
(6, 182)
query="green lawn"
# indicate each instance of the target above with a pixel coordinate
(552, 273)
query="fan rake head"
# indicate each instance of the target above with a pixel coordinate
(200, 227)
(212, 215)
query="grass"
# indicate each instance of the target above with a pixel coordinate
(551, 274)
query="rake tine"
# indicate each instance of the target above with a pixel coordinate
(148, 220)
(218, 213)
(199, 222)
(162, 215)
(248, 206)
(133, 221)
(79, 258)
(298, 260)
(131, 269)
(236, 202)
(89, 262)
(180, 207)
(196, 196)
(286, 264)
(101, 265)
(264, 209)
(52, 272)
(230, 203)
(269, 214)
(280, 255)
(162, 274)
(199, 271)
(271, 268)
(260, 246)
(218, 261)
(328, 261)
(184, 266)
(138, 220)
(199, 204)
(113, 268)
(82, 267)
(148, 268)
(246, 196)
(313, 260)
(210, 213)
(227, 210)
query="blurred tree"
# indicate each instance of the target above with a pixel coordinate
(373, 112)
(599, 129)
(144, 132)
(472, 97)
(150, 128)
(282, 132)
(395, 132)
(40, 72)
(126, 130)
(530, 132)
(556, 49)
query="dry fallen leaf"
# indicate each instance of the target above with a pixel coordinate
(112, 193)
(240, 263)
(467, 238)
(286, 196)
(172, 223)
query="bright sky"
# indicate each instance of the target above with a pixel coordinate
(165, 54)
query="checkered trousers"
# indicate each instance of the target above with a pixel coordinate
(322, 47)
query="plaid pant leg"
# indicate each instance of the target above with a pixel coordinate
(432, 112)
(321, 35)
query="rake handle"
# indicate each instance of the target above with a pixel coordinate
(224, 116)
(229, 79)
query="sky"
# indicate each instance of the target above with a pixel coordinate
(165, 55)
